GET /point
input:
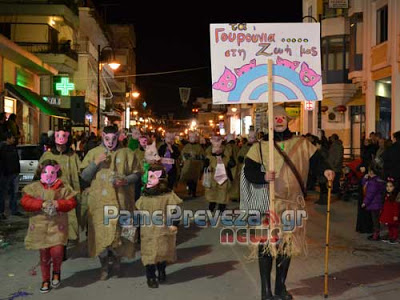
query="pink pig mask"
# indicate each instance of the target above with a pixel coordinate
(49, 174)
(143, 141)
(110, 140)
(61, 137)
(153, 178)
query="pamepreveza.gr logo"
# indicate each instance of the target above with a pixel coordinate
(235, 226)
(269, 230)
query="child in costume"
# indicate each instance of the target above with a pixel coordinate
(374, 188)
(158, 243)
(390, 212)
(49, 200)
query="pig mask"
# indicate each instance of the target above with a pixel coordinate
(169, 138)
(151, 154)
(153, 178)
(110, 140)
(216, 143)
(143, 141)
(61, 137)
(192, 138)
(280, 119)
(252, 137)
(49, 174)
(135, 133)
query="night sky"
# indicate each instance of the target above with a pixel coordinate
(174, 37)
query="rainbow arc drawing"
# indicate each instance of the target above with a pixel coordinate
(287, 86)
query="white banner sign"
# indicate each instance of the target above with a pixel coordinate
(239, 56)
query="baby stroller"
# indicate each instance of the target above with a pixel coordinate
(350, 187)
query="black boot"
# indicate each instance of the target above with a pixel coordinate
(162, 276)
(115, 266)
(282, 268)
(104, 267)
(265, 266)
(151, 276)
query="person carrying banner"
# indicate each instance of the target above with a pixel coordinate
(291, 160)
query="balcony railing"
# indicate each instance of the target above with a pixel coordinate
(50, 48)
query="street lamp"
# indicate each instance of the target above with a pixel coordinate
(114, 66)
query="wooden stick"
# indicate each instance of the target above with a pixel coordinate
(271, 162)
(328, 215)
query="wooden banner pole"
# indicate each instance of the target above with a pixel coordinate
(328, 215)
(271, 148)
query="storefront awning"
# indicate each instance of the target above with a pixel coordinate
(36, 100)
(328, 102)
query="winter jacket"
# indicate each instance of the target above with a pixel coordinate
(391, 161)
(374, 188)
(335, 158)
(9, 160)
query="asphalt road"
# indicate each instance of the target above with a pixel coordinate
(359, 269)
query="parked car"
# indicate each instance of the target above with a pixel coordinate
(29, 156)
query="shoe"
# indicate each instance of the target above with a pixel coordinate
(3, 216)
(45, 287)
(385, 240)
(116, 266)
(152, 283)
(19, 214)
(393, 242)
(56, 280)
(162, 276)
(104, 268)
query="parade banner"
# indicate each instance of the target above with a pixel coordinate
(239, 55)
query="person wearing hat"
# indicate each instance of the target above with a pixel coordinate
(290, 182)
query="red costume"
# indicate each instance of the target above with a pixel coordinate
(390, 216)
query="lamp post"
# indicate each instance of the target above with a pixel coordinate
(114, 66)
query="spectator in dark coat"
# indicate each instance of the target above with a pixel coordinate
(335, 160)
(391, 159)
(10, 175)
(3, 127)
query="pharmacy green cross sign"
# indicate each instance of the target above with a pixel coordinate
(65, 86)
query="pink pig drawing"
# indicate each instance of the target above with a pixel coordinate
(227, 81)
(244, 69)
(287, 63)
(308, 76)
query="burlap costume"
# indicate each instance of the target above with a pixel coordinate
(233, 150)
(45, 231)
(101, 193)
(192, 156)
(139, 158)
(158, 243)
(288, 194)
(218, 193)
(70, 168)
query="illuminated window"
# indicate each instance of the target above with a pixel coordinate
(9, 106)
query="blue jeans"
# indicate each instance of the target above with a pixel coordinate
(9, 186)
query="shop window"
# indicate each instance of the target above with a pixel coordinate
(382, 24)
(9, 106)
